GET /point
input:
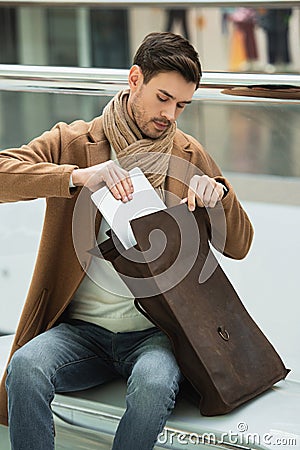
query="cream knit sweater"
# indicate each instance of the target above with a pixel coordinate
(104, 299)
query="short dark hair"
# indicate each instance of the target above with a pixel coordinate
(167, 52)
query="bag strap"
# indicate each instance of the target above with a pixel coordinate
(142, 311)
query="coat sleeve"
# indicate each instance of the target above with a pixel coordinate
(33, 170)
(238, 230)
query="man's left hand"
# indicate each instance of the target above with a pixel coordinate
(205, 191)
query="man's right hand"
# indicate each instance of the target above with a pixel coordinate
(116, 179)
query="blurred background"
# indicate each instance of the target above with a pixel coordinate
(228, 38)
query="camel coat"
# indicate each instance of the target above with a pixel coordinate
(42, 169)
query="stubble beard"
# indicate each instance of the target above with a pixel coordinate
(145, 126)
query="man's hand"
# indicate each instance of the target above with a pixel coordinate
(116, 179)
(205, 191)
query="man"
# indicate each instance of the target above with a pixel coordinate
(74, 333)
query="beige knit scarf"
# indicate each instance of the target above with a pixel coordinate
(132, 149)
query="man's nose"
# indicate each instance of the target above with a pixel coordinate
(169, 113)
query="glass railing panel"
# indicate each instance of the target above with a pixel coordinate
(25, 115)
(253, 136)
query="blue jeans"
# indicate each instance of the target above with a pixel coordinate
(79, 355)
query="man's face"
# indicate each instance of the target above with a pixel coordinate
(156, 105)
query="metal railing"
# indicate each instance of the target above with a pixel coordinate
(107, 81)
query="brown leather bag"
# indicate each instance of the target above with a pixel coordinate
(181, 288)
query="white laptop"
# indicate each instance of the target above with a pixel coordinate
(118, 214)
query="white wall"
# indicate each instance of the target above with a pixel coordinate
(20, 227)
(267, 280)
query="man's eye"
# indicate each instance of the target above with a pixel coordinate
(181, 105)
(162, 99)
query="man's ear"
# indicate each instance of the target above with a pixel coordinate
(135, 77)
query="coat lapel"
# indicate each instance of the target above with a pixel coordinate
(98, 147)
(97, 152)
(179, 172)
